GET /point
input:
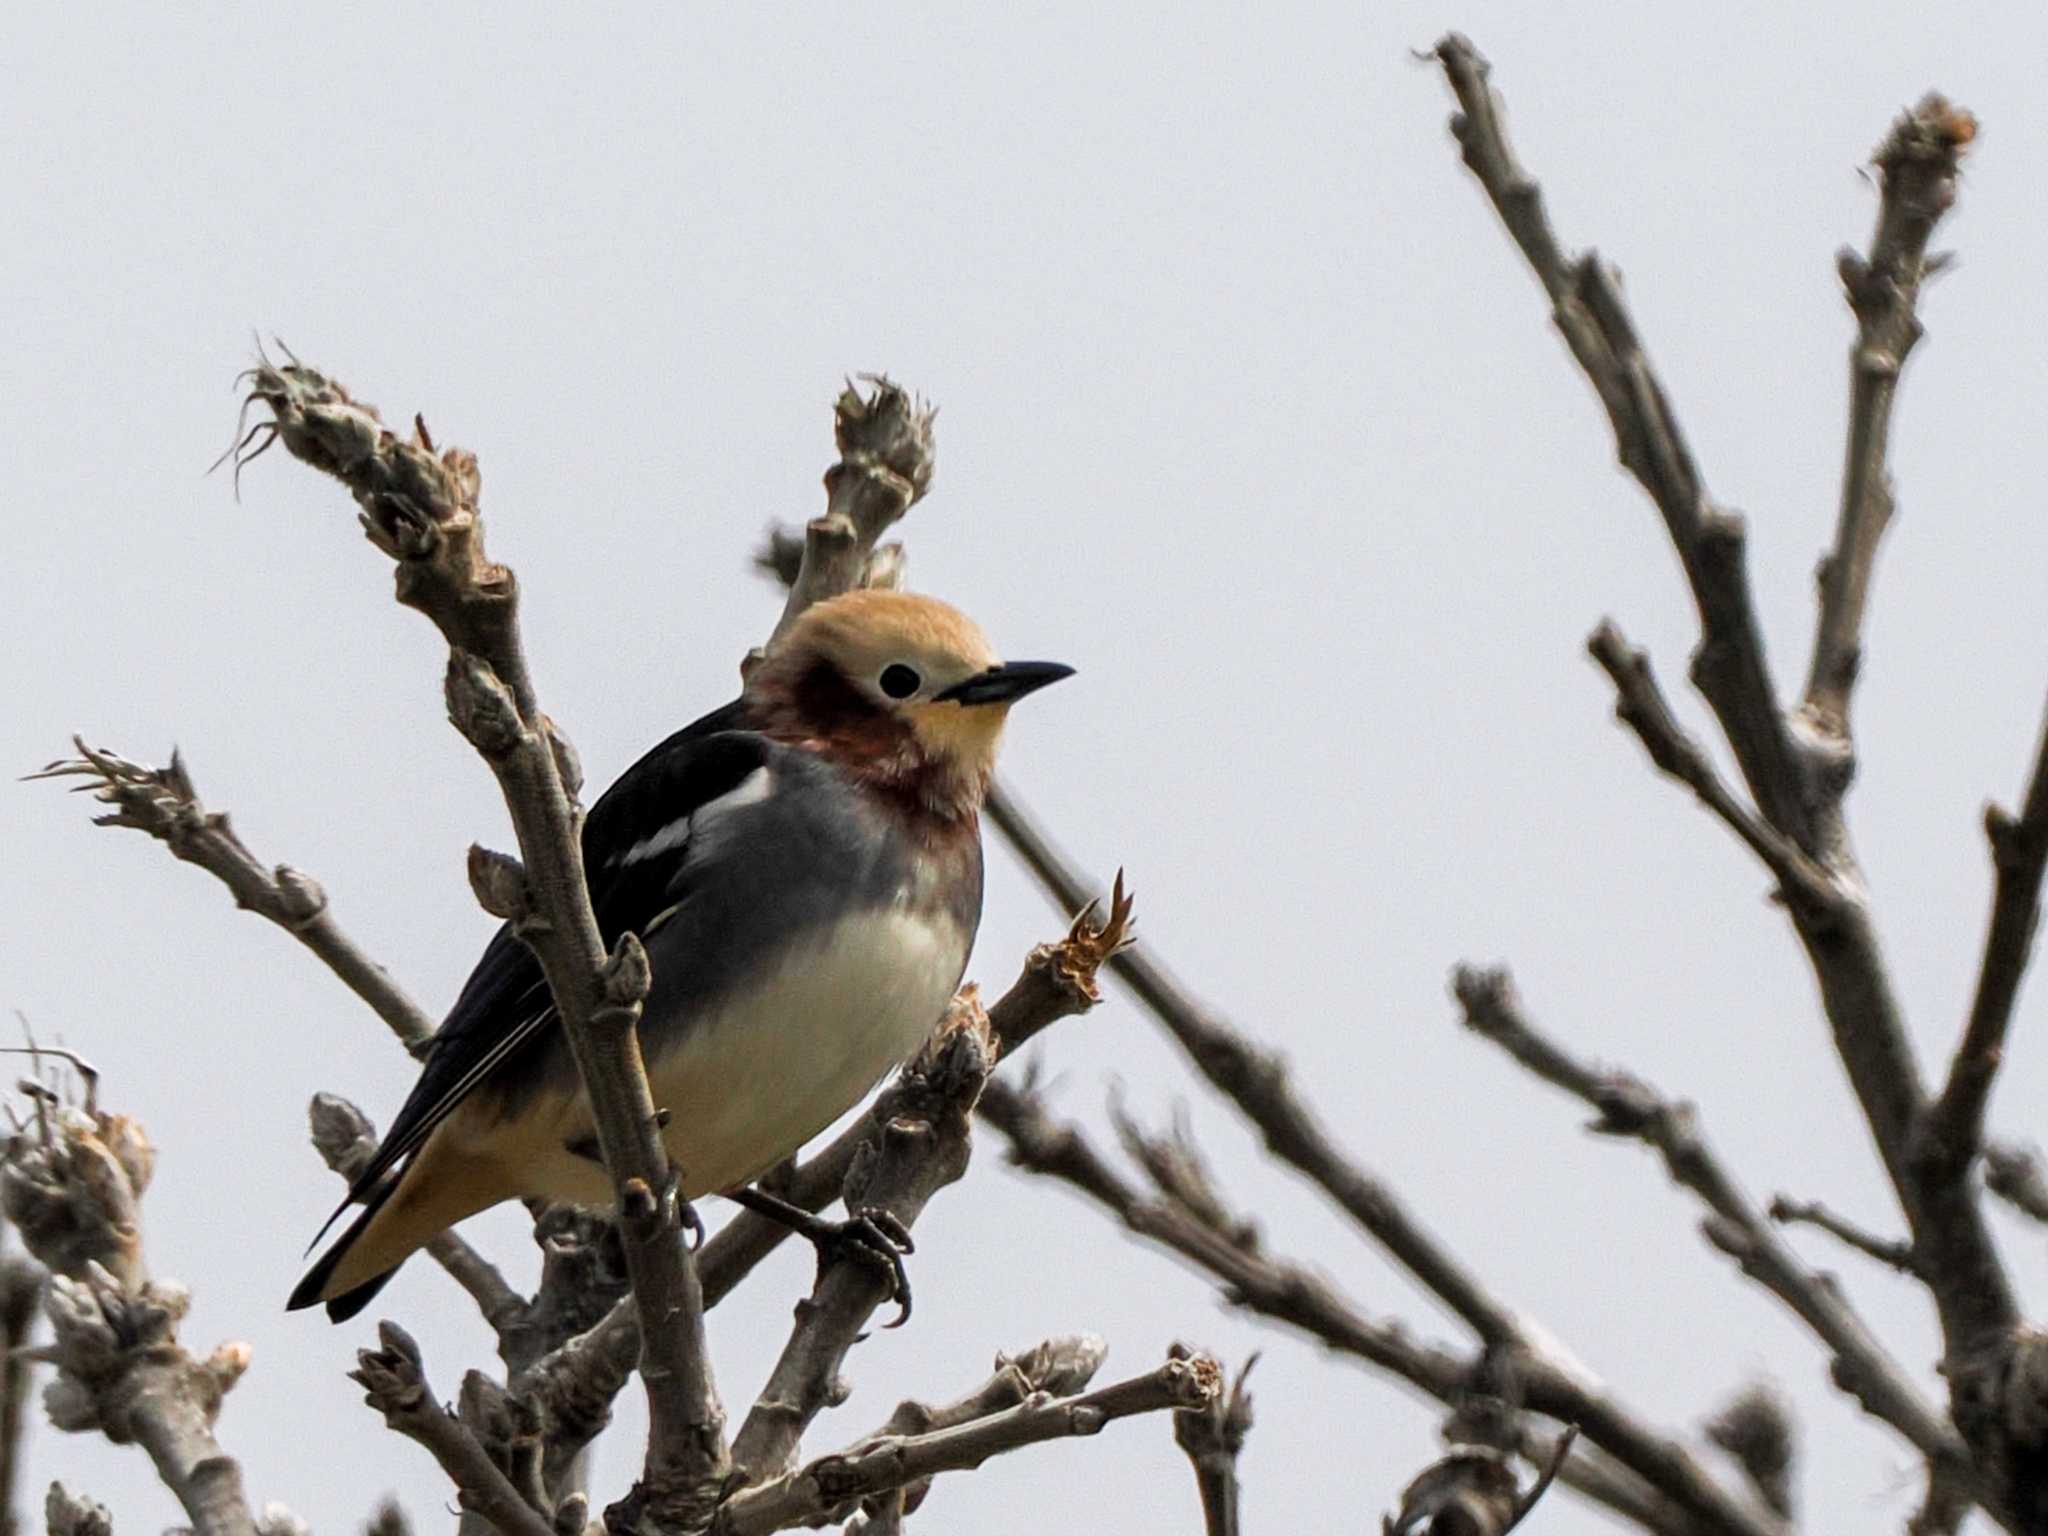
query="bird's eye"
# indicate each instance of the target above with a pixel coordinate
(899, 681)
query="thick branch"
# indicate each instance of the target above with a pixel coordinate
(394, 1383)
(1729, 667)
(421, 509)
(1917, 166)
(2019, 856)
(1627, 1106)
(164, 803)
(829, 1487)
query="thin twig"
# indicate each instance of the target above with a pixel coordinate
(1586, 303)
(1627, 1106)
(1893, 1251)
(164, 803)
(886, 462)
(1917, 168)
(1258, 1083)
(829, 1487)
(1641, 706)
(2014, 1174)
(1228, 1249)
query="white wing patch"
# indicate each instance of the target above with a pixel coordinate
(754, 788)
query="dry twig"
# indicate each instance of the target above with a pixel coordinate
(829, 1487)
(1628, 1106)
(164, 803)
(394, 1383)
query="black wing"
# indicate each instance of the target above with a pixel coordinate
(505, 1003)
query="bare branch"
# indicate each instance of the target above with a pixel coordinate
(1058, 1367)
(922, 1146)
(2019, 855)
(1729, 667)
(1211, 1436)
(1628, 1106)
(1797, 770)
(1917, 167)
(420, 508)
(394, 1383)
(828, 1488)
(1640, 705)
(164, 803)
(1892, 1251)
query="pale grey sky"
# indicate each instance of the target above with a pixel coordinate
(1250, 412)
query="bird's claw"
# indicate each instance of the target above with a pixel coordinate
(675, 1208)
(876, 1238)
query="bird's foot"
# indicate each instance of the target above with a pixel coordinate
(869, 1236)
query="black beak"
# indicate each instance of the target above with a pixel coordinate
(1006, 683)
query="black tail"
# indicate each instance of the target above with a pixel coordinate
(345, 1306)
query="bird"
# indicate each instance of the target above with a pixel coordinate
(804, 869)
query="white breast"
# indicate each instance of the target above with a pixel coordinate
(747, 1086)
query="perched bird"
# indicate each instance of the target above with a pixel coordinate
(804, 868)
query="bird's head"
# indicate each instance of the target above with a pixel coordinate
(904, 691)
